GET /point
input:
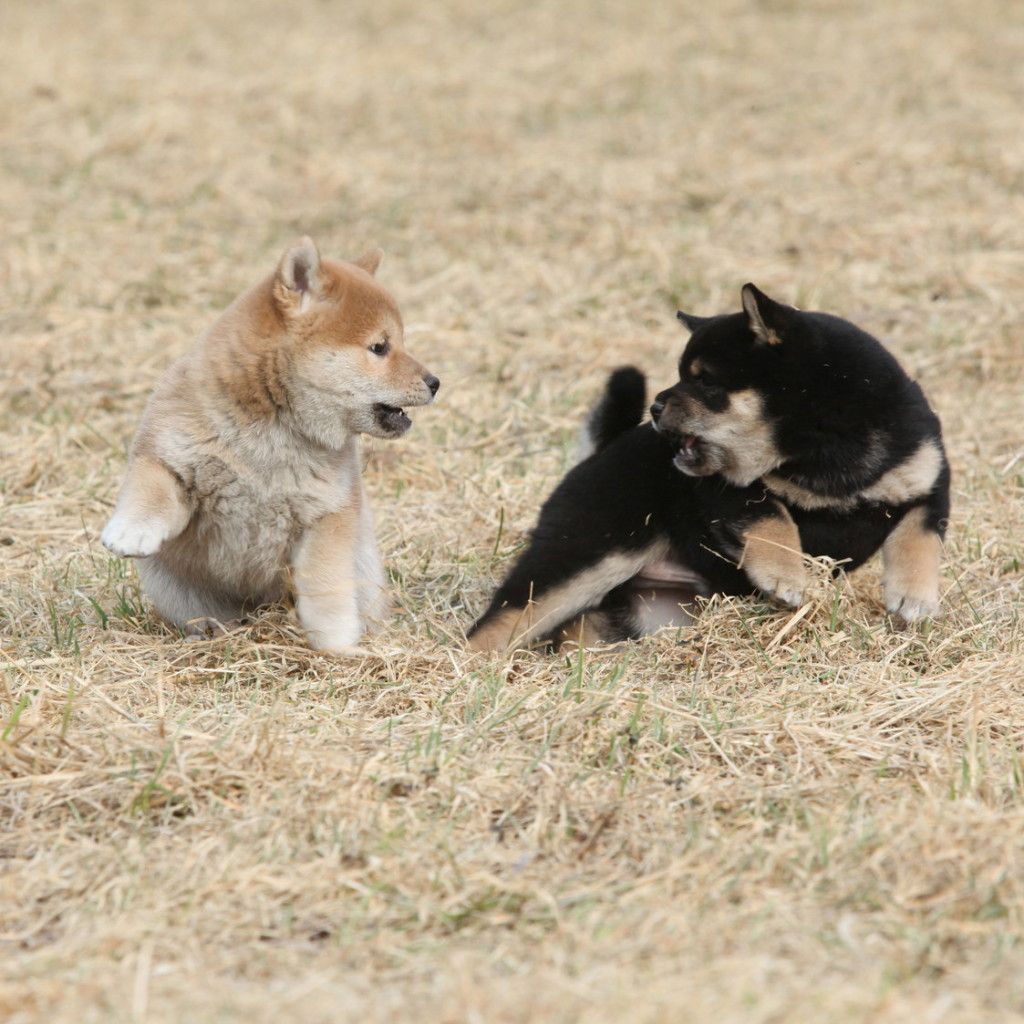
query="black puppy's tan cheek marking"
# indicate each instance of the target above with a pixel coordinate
(745, 435)
(747, 404)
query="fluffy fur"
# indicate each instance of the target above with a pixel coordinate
(787, 433)
(243, 482)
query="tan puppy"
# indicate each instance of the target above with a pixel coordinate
(244, 477)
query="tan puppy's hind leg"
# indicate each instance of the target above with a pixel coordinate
(151, 509)
(190, 605)
(912, 555)
(327, 584)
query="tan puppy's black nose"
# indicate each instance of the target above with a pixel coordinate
(432, 382)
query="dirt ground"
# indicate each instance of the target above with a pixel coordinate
(767, 819)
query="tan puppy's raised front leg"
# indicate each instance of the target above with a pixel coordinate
(773, 559)
(327, 584)
(152, 508)
(912, 555)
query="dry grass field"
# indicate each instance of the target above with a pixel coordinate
(771, 818)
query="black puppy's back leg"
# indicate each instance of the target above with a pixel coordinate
(553, 581)
(630, 611)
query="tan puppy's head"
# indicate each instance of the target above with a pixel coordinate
(349, 367)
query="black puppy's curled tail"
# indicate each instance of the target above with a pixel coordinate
(620, 409)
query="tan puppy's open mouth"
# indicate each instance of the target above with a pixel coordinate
(391, 419)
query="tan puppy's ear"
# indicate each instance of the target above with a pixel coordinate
(298, 276)
(371, 260)
(767, 319)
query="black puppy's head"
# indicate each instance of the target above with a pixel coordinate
(717, 413)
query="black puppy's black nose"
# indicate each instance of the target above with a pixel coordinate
(657, 408)
(433, 383)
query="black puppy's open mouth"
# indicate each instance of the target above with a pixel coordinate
(391, 418)
(691, 453)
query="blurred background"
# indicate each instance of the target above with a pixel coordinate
(550, 181)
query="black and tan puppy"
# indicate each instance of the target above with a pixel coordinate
(789, 433)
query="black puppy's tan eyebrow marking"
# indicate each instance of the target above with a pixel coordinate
(696, 368)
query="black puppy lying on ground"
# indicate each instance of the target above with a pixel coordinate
(789, 433)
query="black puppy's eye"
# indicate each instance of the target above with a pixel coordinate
(382, 347)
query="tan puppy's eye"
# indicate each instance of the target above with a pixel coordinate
(382, 347)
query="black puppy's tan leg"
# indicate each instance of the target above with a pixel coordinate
(912, 554)
(588, 630)
(516, 625)
(151, 509)
(773, 559)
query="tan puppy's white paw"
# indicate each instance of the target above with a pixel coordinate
(354, 651)
(133, 538)
(333, 638)
(338, 649)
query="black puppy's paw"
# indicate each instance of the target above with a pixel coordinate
(911, 607)
(788, 589)
(773, 560)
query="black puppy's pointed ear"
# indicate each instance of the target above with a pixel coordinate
(768, 320)
(691, 322)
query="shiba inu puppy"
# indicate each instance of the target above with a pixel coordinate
(243, 481)
(788, 433)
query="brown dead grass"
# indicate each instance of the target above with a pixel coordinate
(772, 820)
